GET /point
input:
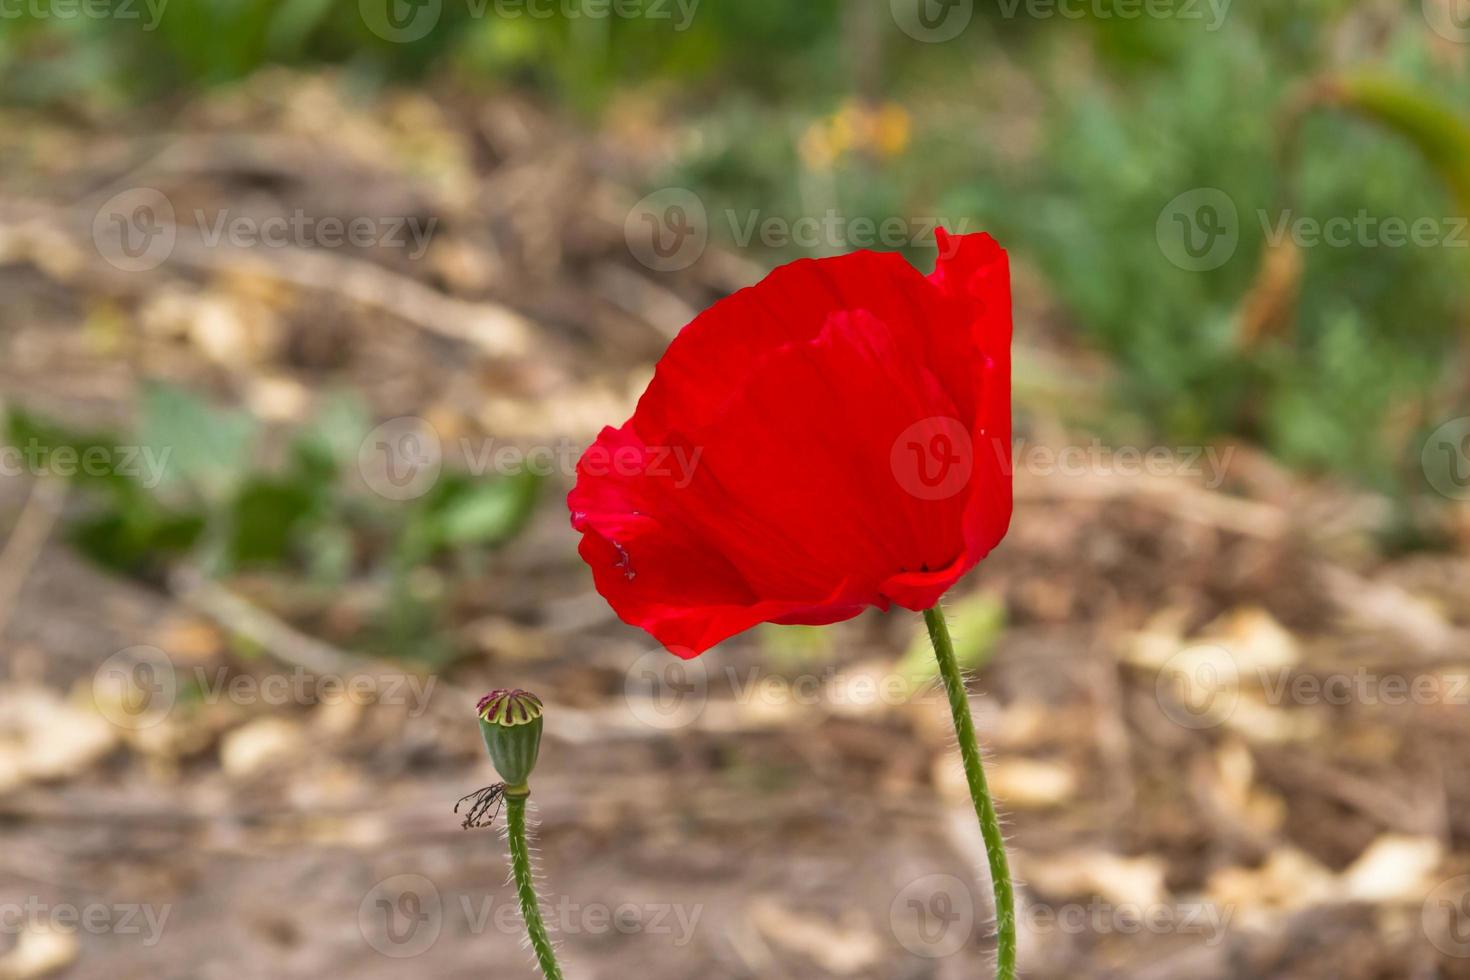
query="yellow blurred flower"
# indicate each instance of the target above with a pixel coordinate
(882, 130)
(891, 129)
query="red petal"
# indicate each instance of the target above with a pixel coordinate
(791, 459)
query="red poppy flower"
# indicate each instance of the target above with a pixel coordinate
(835, 437)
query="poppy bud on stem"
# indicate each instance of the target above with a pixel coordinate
(510, 722)
(995, 848)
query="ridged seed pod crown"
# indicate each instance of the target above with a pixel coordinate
(510, 721)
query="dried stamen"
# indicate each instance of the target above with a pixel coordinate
(483, 802)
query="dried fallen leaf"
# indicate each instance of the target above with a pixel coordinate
(1123, 880)
(1254, 638)
(38, 952)
(1288, 880)
(1394, 868)
(841, 949)
(1236, 791)
(258, 744)
(43, 737)
(1019, 783)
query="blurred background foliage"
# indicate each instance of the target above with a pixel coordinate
(1337, 359)
(225, 502)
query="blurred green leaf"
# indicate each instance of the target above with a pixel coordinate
(483, 512)
(338, 428)
(136, 537)
(267, 517)
(208, 449)
(37, 439)
(125, 527)
(292, 24)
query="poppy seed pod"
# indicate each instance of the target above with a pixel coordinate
(510, 721)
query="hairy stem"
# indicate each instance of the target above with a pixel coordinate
(520, 859)
(995, 848)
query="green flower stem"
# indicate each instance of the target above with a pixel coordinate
(995, 847)
(520, 859)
